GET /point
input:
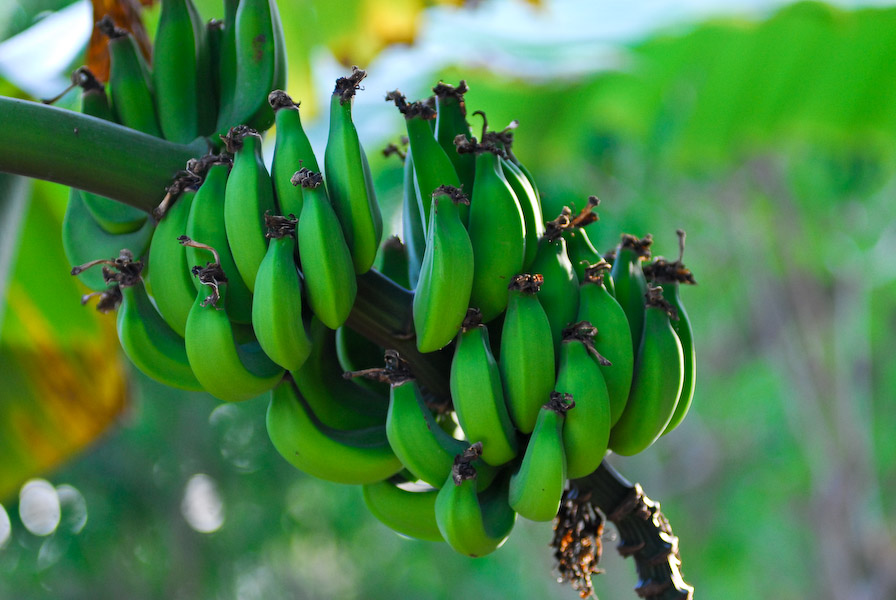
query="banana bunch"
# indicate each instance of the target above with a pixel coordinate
(243, 283)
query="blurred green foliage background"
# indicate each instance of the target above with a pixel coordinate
(771, 142)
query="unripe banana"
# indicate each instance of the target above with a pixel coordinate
(171, 281)
(529, 205)
(409, 513)
(671, 275)
(227, 370)
(478, 394)
(497, 233)
(446, 276)
(260, 65)
(179, 41)
(326, 261)
(83, 239)
(338, 403)
(432, 166)
(395, 261)
(248, 195)
(413, 226)
(417, 440)
(225, 66)
(614, 337)
(147, 340)
(353, 198)
(537, 485)
(629, 282)
(292, 151)
(358, 456)
(277, 302)
(560, 293)
(586, 431)
(113, 216)
(474, 524)
(526, 359)
(581, 251)
(657, 382)
(206, 224)
(451, 121)
(129, 81)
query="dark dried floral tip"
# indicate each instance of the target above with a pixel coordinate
(391, 149)
(444, 90)
(413, 110)
(560, 403)
(456, 194)
(641, 246)
(279, 99)
(462, 471)
(595, 273)
(279, 226)
(109, 299)
(306, 178)
(662, 271)
(472, 320)
(86, 80)
(527, 283)
(108, 28)
(654, 299)
(465, 145)
(584, 332)
(233, 139)
(396, 371)
(347, 86)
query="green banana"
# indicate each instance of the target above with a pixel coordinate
(409, 513)
(357, 456)
(225, 67)
(443, 290)
(451, 121)
(83, 239)
(497, 232)
(581, 251)
(178, 54)
(277, 302)
(423, 447)
(657, 381)
(671, 275)
(248, 195)
(530, 206)
(394, 261)
(432, 166)
(614, 337)
(478, 394)
(292, 151)
(412, 225)
(629, 281)
(172, 284)
(129, 81)
(112, 215)
(229, 371)
(474, 524)
(586, 431)
(260, 65)
(560, 293)
(537, 485)
(348, 182)
(206, 224)
(526, 358)
(147, 340)
(326, 260)
(338, 403)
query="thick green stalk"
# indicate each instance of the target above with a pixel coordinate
(91, 154)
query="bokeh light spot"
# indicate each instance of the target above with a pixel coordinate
(5, 527)
(202, 505)
(39, 507)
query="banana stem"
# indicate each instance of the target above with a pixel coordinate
(91, 154)
(644, 533)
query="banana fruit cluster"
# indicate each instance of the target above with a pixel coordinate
(243, 279)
